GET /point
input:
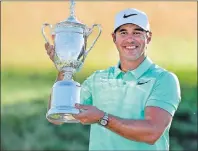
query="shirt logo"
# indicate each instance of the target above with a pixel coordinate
(142, 82)
(126, 16)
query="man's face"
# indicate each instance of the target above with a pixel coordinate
(131, 41)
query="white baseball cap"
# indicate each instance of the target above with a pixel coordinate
(132, 16)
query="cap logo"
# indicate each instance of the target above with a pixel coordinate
(126, 16)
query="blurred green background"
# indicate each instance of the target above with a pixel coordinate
(27, 74)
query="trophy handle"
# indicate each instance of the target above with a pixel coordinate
(100, 30)
(43, 31)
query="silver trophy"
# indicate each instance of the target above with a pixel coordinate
(69, 39)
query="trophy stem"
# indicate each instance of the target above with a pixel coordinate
(68, 76)
(72, 4)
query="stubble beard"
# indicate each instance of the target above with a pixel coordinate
(135, 57)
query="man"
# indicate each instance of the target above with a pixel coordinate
(129, 106)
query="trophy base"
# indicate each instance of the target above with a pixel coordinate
(64, 116)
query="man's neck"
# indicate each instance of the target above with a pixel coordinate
(126, 65)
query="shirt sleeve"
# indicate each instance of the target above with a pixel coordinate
(86, 91)
(166, 93)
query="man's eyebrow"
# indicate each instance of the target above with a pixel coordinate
(139, 29)
(120, 30)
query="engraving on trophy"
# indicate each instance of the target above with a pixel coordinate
(70, 43)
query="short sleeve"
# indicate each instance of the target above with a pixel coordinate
(166, 93)
(86, 91)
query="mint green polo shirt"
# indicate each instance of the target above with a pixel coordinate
(126, 95)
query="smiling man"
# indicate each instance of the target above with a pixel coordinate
(130, 106)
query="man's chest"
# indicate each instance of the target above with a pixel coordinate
(125, 99)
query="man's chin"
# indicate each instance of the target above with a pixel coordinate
(131, 58)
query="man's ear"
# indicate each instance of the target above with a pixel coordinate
(114, 37)
(149, 37)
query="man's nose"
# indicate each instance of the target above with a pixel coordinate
(130, 38)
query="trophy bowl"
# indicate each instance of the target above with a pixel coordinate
(69, 39)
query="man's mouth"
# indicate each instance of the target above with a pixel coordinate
(130, 47)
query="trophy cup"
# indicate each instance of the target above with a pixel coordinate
(69, 40)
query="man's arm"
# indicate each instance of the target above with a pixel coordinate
(159, 111)
(147, 130)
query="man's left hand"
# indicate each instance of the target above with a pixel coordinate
(88, 114)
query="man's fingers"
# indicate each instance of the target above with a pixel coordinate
(80, 116)
(46, 45)
(51, 55)
(77, 116)
(50, 51)
(50, 48)
(80, 106)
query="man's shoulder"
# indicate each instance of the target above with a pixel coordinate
(161, 73)
(100, 73)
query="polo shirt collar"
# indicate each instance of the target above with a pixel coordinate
(139, 71)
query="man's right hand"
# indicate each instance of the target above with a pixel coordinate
(50, 50)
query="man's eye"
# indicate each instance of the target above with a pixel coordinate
(123, 33)
(136, 33)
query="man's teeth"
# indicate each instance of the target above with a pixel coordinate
(131, 47)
